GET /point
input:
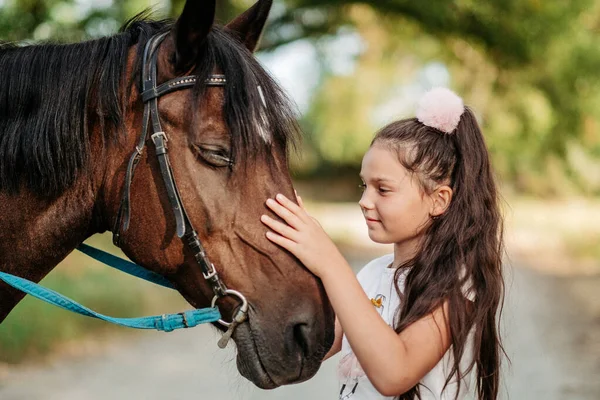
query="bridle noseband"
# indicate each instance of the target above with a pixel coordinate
(150, 94)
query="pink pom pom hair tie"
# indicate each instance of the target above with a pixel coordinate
(440, 108)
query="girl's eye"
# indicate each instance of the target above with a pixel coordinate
(383, 190)
(363, 186)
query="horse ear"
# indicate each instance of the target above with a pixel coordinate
(248, 27)
(191, 29)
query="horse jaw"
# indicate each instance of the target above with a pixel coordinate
(248, 360)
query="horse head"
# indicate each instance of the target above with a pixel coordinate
(228, 146)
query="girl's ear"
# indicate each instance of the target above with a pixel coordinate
(441, 199)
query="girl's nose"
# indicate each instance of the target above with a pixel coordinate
(365, 203)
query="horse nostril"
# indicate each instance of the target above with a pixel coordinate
(302, 337)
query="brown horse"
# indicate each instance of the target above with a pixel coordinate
(70, 117)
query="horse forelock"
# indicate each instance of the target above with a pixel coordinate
(258, 113)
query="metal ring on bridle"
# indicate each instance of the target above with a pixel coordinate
(234, 293)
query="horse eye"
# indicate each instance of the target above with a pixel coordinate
(215, 156)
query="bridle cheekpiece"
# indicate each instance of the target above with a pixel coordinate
(150, 94)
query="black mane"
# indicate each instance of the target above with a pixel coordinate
(51, 95)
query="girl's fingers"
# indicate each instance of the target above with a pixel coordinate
(290, 205)
(298, 199)
(279, 227)
(281, 241)
(300, 202)
(285, 213)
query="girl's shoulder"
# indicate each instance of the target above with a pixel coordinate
(375, 267)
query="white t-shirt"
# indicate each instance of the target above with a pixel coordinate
(377, 281)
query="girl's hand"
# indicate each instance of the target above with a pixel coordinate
(301, 235)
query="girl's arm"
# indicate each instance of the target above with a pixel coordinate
(394, 363)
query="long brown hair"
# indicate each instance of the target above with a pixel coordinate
(464, 246)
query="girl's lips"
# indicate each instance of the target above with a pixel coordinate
(372, 220)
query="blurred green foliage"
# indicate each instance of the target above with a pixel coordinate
(530, 69)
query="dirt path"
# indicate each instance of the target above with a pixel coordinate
(552, 335)
(553, 342)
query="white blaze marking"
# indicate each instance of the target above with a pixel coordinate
(263, 124)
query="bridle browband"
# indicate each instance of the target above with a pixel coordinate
(150, 94)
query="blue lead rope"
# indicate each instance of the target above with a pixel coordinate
(124, 266)
(165, 322)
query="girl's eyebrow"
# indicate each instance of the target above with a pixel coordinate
(378, 179)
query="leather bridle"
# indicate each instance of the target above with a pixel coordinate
(150, 94)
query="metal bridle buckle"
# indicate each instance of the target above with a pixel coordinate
(243, 309)
(212, 272)
(164, 136)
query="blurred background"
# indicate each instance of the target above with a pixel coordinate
(531, 71)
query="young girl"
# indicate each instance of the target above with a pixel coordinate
(415, 323)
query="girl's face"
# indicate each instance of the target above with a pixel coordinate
(394, 206)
